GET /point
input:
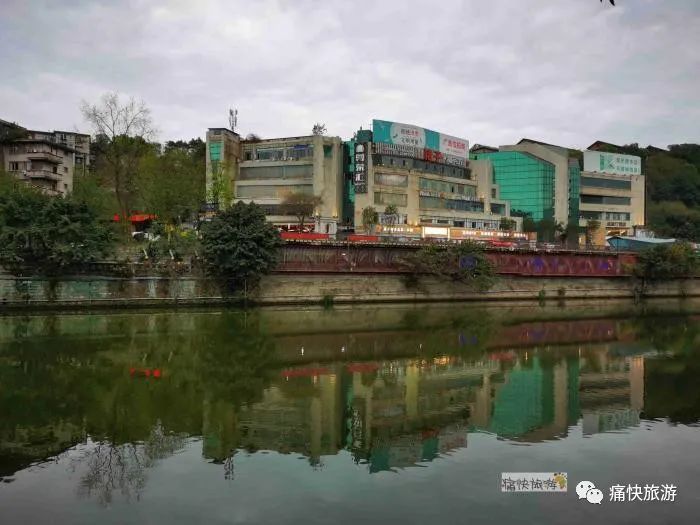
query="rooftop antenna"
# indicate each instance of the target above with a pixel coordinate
(233, 119)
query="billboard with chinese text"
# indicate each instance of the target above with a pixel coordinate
(614, 163)
(408, 135)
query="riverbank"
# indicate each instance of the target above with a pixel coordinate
(20, 293)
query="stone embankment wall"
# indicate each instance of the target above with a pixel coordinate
(304, 287)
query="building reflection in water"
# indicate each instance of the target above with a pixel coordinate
(404, 412)
(393, 399)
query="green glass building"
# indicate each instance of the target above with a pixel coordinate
(524, 180)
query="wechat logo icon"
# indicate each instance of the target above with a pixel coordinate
(586, 490)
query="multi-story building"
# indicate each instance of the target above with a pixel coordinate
(46, 159)
(266, 171)
(544, 181)
(612, 191)
(425, 175)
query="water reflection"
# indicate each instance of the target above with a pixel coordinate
(399, 396)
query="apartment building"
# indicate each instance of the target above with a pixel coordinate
(265, 171)
(47, 160)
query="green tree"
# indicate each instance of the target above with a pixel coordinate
(391, 212)
(300, 205)
(171, 185)
(49, 234)
(507, 224)
(529, 225)
(667, 261)
(465, 262)
(592, 227)
(123, 131)
(675, 219)
(239, 245)
(370, 218)
(219, 191)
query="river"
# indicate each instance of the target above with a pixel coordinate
(363, 414)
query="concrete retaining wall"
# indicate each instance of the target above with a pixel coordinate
(315, 288)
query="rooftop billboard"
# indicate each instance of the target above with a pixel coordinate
(408, 135)
(614, 163)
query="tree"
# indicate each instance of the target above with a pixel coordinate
(239, 245)
(667, 261)
(675, 219)
(319, 129)
(391, 213)
(171, 185)
(547, 230)
(253, 137)
(507, 224)
(49, 234)
(370, 218)
(219, 191)
(123, 131)
(465, 262)
(529, 225)
(592, 227)
(300, 205)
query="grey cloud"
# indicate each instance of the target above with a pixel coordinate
(565, 71)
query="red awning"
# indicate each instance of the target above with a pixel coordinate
(138, 217)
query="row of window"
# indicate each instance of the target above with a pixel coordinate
(593, 182)
(297, 152)
(385, 198)
(478, 224)
(33, 166)
(304, 172)
(601, 216)
(605, 199)
(449, 204)
(446, 187)
(271, 192)
(422, 165)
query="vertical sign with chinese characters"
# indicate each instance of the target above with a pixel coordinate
(360, 175)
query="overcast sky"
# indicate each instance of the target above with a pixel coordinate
(491, 71)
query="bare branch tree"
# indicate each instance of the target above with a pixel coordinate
(122, 134)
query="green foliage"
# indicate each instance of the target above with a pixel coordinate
(171, 185)
(507, 224)
(465, 262)
(239, 245)
(672, 179)
(675, 219)
(370, 218)
(667, 261)
(48, 234)
(219, 190)
(391, 212)
(529, 225)
(88, 189)
(301, 205)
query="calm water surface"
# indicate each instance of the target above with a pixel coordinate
(390, 414)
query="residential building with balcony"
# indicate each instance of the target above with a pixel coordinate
(266, 171)
(47, 160)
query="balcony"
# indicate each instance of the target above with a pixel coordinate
(42, 174)
(46, 156)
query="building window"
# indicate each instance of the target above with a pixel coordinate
(493, 193)
(593, 182)
(14, 166)
(605, 199)
(390, 179)
(248, 155)
(65, 169)
(398, 199)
